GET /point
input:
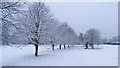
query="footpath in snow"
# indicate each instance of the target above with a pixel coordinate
(102, 55)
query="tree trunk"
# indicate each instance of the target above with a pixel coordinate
(36, 47)
(60, 46)
(36, 50)
(92, 46)
(64, 46)
(53, 47)
(86, 45)
(68, 46)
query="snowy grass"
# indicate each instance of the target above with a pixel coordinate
(0, 55)
(103, 55)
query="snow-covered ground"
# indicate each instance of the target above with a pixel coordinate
(0, 55)
(106, 55)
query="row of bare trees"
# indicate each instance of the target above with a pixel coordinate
(33, 23)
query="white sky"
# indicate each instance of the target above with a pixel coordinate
(82, 16)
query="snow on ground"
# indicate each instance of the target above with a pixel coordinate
(0, 55)
(106, 55)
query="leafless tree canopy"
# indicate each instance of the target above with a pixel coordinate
(93, 36)
(33, 23)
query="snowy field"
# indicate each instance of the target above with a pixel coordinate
(104, 55)
(0, 55)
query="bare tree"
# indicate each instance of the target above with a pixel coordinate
(8, 11)
(115, 39)
(51, 32)
(93, 37)
(37, 18)
(104, 40)
(81, 38)
(66, 35)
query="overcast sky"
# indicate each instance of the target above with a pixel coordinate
(82, 16)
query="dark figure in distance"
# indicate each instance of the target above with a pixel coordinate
(52, 45)
(86, 45)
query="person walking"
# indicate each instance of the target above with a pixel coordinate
(86, 45)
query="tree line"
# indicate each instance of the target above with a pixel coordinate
(33, 23)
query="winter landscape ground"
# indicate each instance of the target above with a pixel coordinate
(0, 56)
(102, 55)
